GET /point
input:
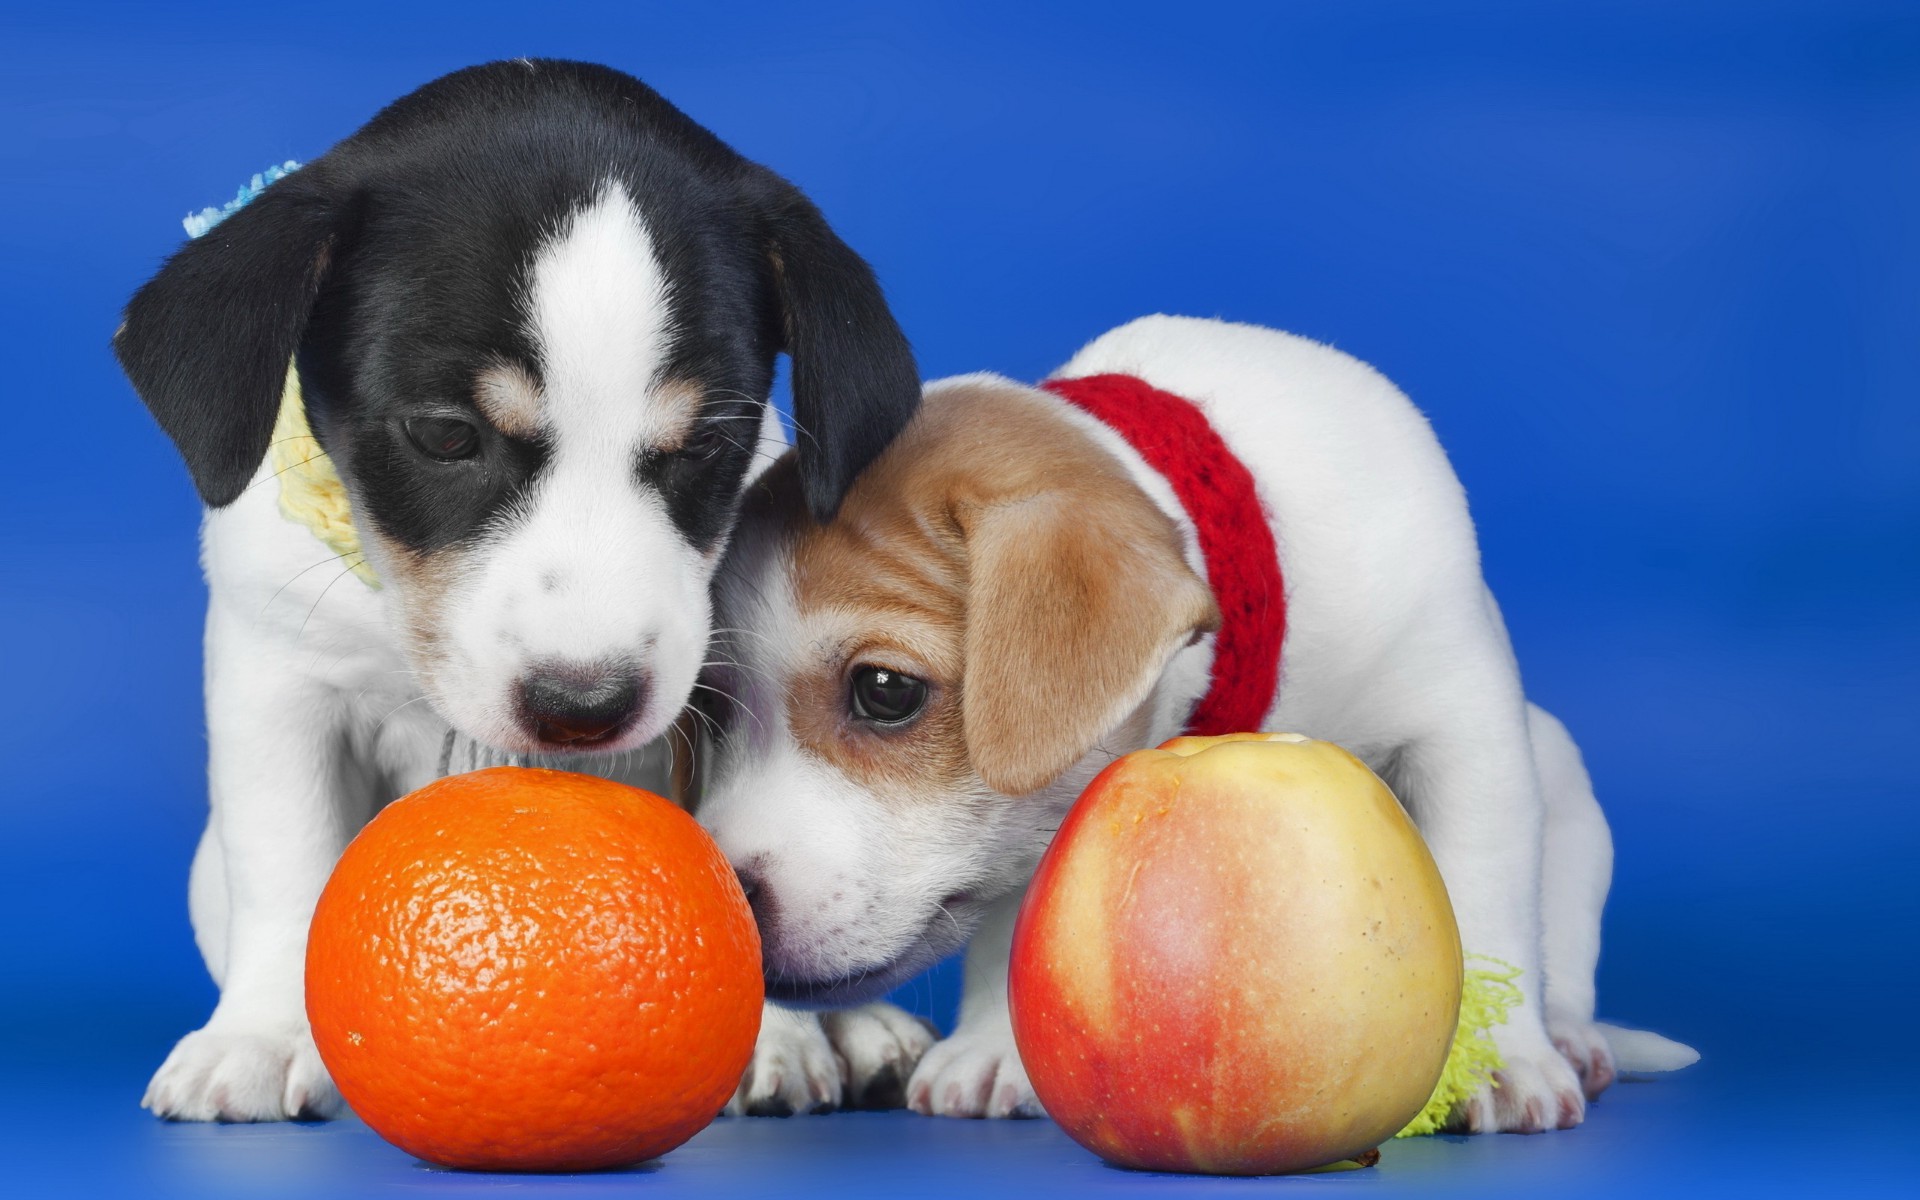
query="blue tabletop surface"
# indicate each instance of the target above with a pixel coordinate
(1705, 1133)
(1648, 266)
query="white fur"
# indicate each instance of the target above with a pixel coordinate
(590, 568)
(808, 1062)
(316, 717)
(861, 881)
(1394, 649)
(793, 1069)
(855, 880)
(599, 309)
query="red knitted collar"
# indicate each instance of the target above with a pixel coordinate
(1236, 542)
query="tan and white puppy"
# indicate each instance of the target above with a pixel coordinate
(1011, 597)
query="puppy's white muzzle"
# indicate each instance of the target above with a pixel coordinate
(582, 627)
(847, 910)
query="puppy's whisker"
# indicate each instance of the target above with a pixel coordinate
(745, 668)
(800, 429)
(753, 632)
(716, 659)
(712, 724)
(381, 723)
(331, 558)
(787, 417)
(316, 607)
(729, 441)
(758, 592)
(734, 700)
(691, 801)
(271, 476)
(750, 406)
(951, 920)
(374, 678)
(739, 414)
(351, 648)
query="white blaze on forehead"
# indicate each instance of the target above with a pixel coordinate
(598, 306)
(587, 568)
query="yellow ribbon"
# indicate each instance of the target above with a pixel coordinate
(311, 493)
(1488, 994)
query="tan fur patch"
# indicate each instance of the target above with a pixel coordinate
(510, 398)
(677, 404)
(894, 592)
(423, 582)
(1000, 553)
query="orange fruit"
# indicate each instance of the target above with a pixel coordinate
(530, 970)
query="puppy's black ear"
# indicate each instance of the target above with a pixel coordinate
(855, 384)
(206, 341)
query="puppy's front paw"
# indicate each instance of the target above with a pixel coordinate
(793, 1068)
(879, 1045)
(1586, 1050)
(216, 1074)
(1535, 1091)
(973, 1074)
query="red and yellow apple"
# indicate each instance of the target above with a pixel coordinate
(1236, 957)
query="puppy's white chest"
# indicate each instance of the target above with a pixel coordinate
(294, 600)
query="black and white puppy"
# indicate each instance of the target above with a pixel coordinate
(533, 310)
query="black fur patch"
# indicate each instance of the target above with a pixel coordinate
(397, 266)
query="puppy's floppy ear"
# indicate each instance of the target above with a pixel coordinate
(855, 384)
(1076, 599)
(206, 341)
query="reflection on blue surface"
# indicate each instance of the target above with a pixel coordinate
(1650, 269)
(1694, 1136)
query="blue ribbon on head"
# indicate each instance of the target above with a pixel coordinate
(198, 223)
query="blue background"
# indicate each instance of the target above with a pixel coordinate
(1650, 268)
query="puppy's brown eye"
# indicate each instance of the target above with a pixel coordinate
(886, 697)
(444, 438)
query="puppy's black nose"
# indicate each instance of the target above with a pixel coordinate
(578, 704)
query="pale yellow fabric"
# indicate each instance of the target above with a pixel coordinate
(311, 493)
(1487, 995)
